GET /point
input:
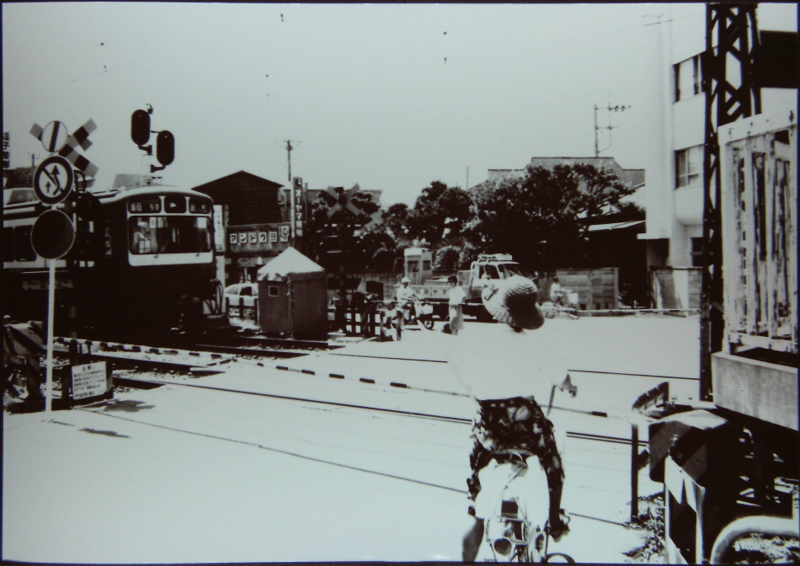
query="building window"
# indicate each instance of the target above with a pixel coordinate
(689, 166)
(697, 252)
(688, 78)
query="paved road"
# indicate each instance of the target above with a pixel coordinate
(183, 474)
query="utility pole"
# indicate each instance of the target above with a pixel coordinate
(610, 109)
(289, 149)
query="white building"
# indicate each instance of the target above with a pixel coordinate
(674, 190)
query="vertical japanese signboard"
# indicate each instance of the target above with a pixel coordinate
(298, 213)
(6, 153)
(219, 228)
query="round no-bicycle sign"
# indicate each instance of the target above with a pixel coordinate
(53, 179)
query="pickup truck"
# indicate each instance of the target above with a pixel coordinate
(487, 267)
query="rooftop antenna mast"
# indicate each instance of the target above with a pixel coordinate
(609, 109)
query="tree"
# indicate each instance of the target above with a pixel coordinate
(540, 217)
(336, 240)
(446, 258)
(455, 254)
(439, 212)
(395, 221)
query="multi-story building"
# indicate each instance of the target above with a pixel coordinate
(674, 191)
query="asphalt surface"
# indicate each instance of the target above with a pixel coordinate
(261, 464)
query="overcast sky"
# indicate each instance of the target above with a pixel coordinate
(391, 97)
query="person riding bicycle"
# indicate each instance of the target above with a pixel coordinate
(404, 296)
(508, 415)
(558, 294)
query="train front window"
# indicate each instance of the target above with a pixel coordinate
(169, 234)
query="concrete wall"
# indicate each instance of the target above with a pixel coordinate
(675, 287)
(598, 289)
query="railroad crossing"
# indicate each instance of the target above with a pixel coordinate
(253, 461)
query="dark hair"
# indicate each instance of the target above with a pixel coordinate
(452, 279)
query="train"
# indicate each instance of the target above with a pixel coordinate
(142, 262)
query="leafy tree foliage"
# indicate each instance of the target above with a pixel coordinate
(395, 222)
(339, 239)
(455, 255)
(20, 177)
(446, 258)
(439, 212)
(540, 217)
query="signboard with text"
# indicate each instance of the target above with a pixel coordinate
(299, 200)
(258, 238)
(89, 380)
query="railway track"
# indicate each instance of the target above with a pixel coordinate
(213, 358)
(200, 356)
(151, 383)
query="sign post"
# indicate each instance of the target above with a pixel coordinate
(51, 301)
(53, 233)
(52, 237)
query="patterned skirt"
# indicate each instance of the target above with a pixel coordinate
(516, 423)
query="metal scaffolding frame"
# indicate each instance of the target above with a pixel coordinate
(728, 98)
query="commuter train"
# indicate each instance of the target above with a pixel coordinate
(142, 261)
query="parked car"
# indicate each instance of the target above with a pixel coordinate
(241, 301)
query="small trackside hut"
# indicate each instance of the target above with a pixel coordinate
(293, 296)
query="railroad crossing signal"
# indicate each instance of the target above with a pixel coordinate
(53, 180)
(140, 134)
(343, 200)
(53, 135)
(140, 129)
(54, 138)
(80, 138)
(165, 147)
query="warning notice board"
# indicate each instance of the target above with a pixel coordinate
(89, 380)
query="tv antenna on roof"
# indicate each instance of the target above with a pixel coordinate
(608, 109)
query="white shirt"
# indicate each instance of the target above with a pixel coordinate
(404, 293)
(504, 363)
(457, 296)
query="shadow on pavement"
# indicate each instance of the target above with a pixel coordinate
(128, 406)
(105, 432)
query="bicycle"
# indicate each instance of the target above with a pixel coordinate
(562, 303)
(516, 526)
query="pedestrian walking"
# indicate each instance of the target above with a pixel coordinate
(405, 295)
(456, 296)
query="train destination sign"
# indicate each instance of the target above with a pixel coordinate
(53, 179)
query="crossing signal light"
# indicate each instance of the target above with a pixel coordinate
(140, 127)
(165, 147)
